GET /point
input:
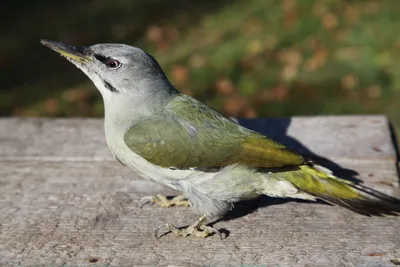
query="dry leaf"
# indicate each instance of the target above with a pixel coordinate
(329, 20)
(234, 105)
(197, 61)
(172, 33)
(371, 8)
(350, 81)
(74, 94)
(249, 113)
(288, 73)
(318, 60)
(154, 34)
(224, 86)
(280, 92)
(319, 9)
(352, 14)
(51, 105)
(291, 57)
(374, 91)
(254, 47)
(180, 75)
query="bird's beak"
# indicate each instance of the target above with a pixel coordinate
(77, 54)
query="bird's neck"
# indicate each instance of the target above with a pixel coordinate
(119, 115)
(122, 111)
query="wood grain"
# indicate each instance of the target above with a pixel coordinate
(65, 201)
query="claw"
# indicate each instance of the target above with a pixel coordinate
(146, 200)
(159, 228)
(198, 229)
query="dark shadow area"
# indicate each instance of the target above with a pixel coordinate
(276, 128)
(395, 142)
(243, 208)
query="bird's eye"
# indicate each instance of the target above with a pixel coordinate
(113, 64)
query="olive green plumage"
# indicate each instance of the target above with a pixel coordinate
(341, 192)
(188, 134)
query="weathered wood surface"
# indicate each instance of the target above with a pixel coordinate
(65, 200)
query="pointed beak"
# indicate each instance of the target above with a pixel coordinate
(73, 53)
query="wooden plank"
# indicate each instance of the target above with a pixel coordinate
(364, 137)
(61, 204)
(83, 139)
(52, 140)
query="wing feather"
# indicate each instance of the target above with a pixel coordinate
(201, 137)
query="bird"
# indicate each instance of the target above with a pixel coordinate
(179, 142)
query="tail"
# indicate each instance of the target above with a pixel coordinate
(320, 183)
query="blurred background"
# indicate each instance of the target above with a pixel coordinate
(246, 58)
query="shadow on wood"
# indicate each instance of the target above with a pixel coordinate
(276, 128)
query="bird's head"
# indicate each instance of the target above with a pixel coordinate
(117, 69)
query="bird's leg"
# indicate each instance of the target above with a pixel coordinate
(163, 201)
(197, 229)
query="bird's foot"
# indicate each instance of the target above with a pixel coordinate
(163, 201)
(197, 229)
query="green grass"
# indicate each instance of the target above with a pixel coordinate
(245, 57)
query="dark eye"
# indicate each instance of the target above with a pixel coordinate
(113, 64)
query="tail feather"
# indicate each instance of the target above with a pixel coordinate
(323, 185)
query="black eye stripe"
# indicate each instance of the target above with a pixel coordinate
(101, 58)
(108, 61)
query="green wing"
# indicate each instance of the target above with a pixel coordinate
(202, 137)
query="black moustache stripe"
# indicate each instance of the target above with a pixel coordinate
(110, 87)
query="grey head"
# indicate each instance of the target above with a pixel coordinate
(117, 69)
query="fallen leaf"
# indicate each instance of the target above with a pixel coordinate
(74, 94)
(280, 92)
(154, 34)
(374, 91)
(224, 86)
(51, 105)
(172, 33)
(329, 21)
(233, 106)
(197, 61)
(180, 75)
(371, 8)
(350, 81)
(254, 47)
(318, 59)
(319, 9)
(352, 14)
(249, 113)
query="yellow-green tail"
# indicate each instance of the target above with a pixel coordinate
(320, 183)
